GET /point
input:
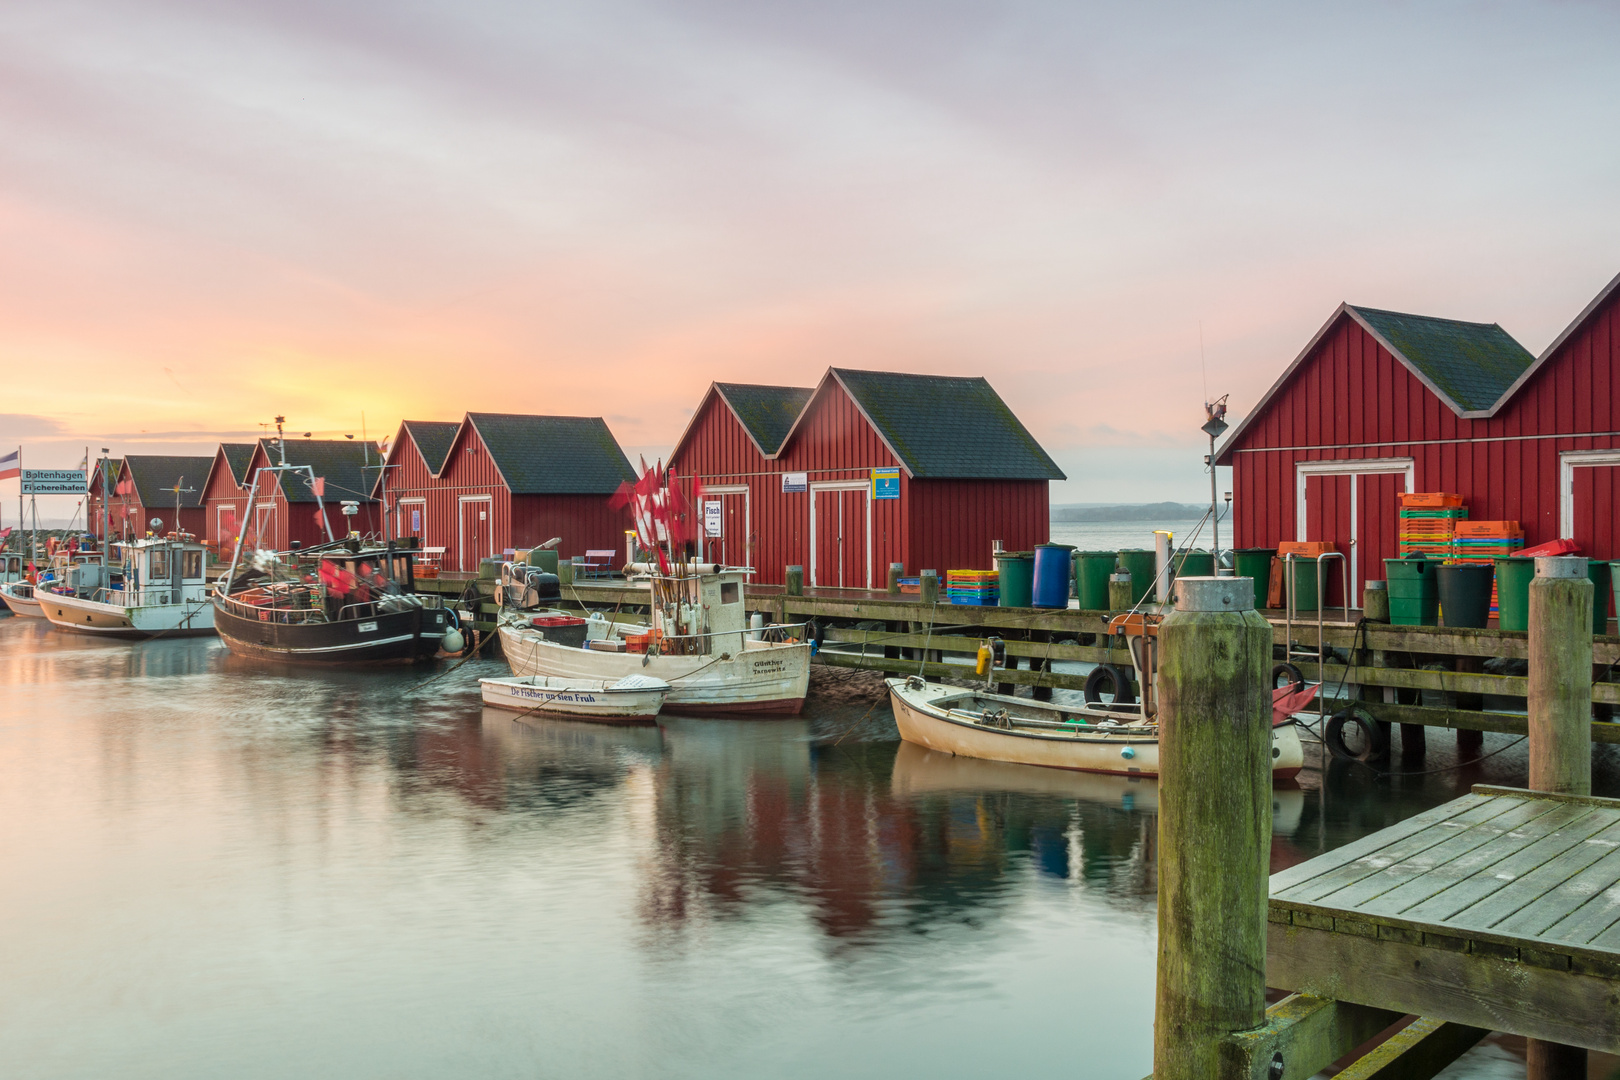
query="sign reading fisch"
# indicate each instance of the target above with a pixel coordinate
(794, 482)
(53, 482)
(711, 518)
(885, 483)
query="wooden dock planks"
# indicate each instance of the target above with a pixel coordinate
(1500, 909)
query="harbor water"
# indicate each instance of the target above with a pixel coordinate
(218, 868)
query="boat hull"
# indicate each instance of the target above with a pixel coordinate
(394, 637)
(759, 682)
(194, 618)
(1119, 754)
(25, 606)
(533, 696)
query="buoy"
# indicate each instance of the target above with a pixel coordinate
(983, 667)
(452, 641)
(1127, 753)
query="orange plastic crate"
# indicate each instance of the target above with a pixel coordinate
(1307, 548)
(1489, 529)
(1428, 499)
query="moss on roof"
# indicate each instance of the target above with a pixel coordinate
(944, 427)
(433, 439)
(157, 475)
(767, 412)
(342, 463)
(238, 456)
(553, 455)
(1472, 364)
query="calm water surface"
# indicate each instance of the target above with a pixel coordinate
(213, 868)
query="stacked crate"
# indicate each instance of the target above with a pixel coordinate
(1428, 521)
(1485, 542)
(977, 588)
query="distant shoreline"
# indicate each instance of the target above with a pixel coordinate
(1163, 511)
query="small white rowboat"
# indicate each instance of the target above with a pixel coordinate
(972, 723)
(634, 699)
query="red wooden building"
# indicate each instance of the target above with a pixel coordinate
(225, 496)
(144, 488)
(1379, 403)
(288, 510)
(867, 469)
(502, 481)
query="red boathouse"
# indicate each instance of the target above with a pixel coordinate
(225, 497)
(1379, 403)
(144, 488)
(866, 469)
(287, 510)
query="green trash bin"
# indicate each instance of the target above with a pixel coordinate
(1017, 578)
(1091, 573)
(1255, 563)
(1465, 594)
(1414, 593)
(1305, 598)
(1143, 566)
(1601, 577)
(1194, 563)
(1513, 576)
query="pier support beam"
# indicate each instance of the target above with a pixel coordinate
(1560, 705)
(1214, 826)
(795, 581)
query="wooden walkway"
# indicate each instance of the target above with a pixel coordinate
(1499, 910)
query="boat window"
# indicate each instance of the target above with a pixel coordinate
(729, 592)
(191, 565)
(159, 564)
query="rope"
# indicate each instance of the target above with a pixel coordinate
(1447, 768)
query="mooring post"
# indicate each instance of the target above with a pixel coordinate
(930, 586)
(1560, 705)
(795, 581)
(1214, 826)
(896, 572)
(1119, 590)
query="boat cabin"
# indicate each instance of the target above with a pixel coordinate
(700, 614)
(12, 566)
(164, 570)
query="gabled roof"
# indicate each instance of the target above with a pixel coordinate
(553, 455)
(767, 413)
(433, 439)
(945, 427)
(342, 463)
(1472, 367)
(238, 455)
(1601, 300)
(156, 476)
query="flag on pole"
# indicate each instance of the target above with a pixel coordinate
(11, 464)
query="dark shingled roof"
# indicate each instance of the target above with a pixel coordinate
(433, 439)
(156, 477)
(238, 455)
(1471, 365)
(341, 462)
(948, 428)
(767, 412)
(553, 455)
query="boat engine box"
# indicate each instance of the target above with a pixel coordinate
(607, 645)
(562, 629)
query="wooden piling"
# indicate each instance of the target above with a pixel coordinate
(896, 571)
(795, 581)
(1560, 706)
(930, 587)
(1119, 590)
(1214, 826)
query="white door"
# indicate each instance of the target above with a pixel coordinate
(1351, 504)
(840, 535)
(732, 546)
(476, 536)
(410, 519)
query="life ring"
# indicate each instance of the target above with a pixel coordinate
(1296, 678)
(1116, 679)
(1372, 735)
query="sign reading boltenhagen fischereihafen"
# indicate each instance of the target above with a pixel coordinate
(52, 482)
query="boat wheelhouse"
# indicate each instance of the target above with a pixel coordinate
(158, 588)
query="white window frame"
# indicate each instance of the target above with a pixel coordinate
(840, 485)
(1351, 467)
(411, 503)
(748, 521)
(1568, 462)
(462, 501)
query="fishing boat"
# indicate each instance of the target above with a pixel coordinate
(697, 641)
(18, 597)
(159, 589)
(71, 572)
(998, 727)
(634, 699)
(347, 601)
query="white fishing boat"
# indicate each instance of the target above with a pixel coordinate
(18, 596)
(697, 641)
(997, 727)
(633, 699)
(159, 589)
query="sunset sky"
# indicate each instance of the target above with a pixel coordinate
(215, 211)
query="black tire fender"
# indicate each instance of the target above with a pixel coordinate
(1296, 678)
(1114, 677)
(1372, 735)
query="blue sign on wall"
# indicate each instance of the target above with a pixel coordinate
(885, 483)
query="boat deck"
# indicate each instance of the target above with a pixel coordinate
(1499, 910)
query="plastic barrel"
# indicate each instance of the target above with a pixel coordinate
(1601, 577)
(1091, 572)
(1414, 598)
(1255, 563)
(1142, 565)
(1017, 570)
(1465, 594)
(1305, 598)
(1513, 576)
(1194, 564)
(1051, 588)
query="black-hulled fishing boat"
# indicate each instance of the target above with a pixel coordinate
(343, 602)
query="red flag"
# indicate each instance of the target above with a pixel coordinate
(337, 580)
(320, 487)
